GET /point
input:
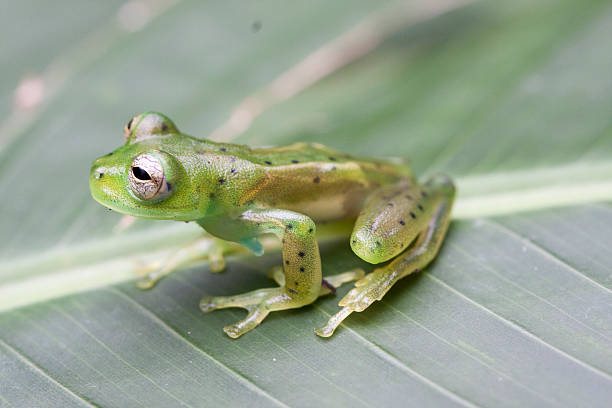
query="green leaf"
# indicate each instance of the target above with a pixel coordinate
(510, 98)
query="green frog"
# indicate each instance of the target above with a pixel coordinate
(237, 193)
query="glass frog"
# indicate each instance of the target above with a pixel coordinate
(237, 193)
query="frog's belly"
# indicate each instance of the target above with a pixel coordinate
(330, 207)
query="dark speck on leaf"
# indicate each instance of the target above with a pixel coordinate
(256, 26)
(164, 127)
(420, 207)
(389, 204)
(289, 226)
(332, 159)
(223, 149)
(317, 179)
(302, 269)
(402, 222)
(412, 214)
(221, 180)
(301, 254)
(294, 161)
(268, 162)
(233, 171)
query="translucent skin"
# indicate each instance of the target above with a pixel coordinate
(238, 193)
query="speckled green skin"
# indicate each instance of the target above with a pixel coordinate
(237, 193)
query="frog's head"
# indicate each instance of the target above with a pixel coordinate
(149, 175)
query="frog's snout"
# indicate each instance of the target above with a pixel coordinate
(101, 178)
(97, 171)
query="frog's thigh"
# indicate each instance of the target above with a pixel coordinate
(438, 195)
(390, 220)
(301, 265)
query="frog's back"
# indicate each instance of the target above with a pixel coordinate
(320, 155)
(321, 182)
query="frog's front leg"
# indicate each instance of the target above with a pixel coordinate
(388, 224)
(301, 265)
(206, 248)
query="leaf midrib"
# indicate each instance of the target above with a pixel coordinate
(479, 196)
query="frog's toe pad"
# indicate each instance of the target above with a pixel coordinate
(217, 265)
(233, 331)
(333, 322)
(146, 283)
(325, 331)
(207, 304)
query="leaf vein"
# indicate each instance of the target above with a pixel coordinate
(243, 380)
(520, 329)
(24, 359)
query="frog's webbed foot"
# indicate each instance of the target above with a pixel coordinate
(368, 289)
(208, 248)
(391, 206)
(329, 284)
(260, 303)
(254, 302)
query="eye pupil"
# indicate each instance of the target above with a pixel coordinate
(140, 173)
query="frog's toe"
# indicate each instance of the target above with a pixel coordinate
(233, 331)
(333, 323)
(369, 289)
(216, 260)
(325, 331)
(146, 282)
(208, 304)
(253, 319)
(332, 282)
(217, 265)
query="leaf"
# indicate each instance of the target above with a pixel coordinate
(510, 98)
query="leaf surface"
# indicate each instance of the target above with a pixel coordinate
(510, 98)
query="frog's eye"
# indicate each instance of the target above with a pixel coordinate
(147, 178)
(148, 124)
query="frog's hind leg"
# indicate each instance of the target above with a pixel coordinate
(391, 220)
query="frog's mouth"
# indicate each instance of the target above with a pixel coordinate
(104, 184)
(108, 186)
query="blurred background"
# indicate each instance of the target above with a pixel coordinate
(513, 99)
(456, 86)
